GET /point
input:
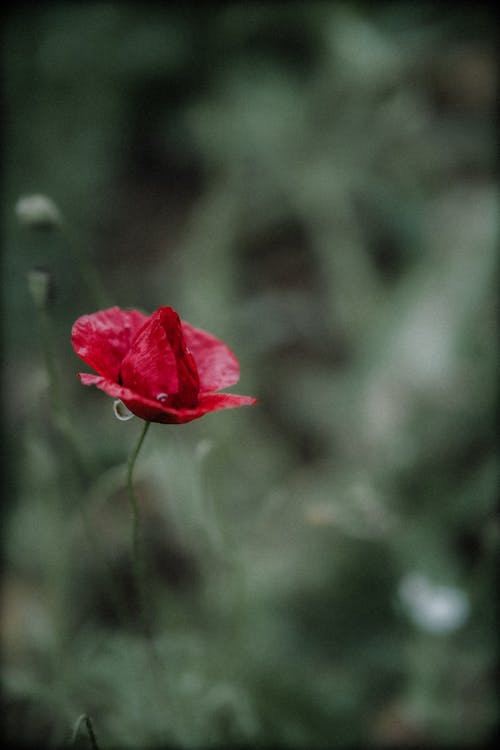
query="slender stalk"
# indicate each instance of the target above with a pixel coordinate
(48, 354)
(134, 506)
(84, 718)
(71, 443)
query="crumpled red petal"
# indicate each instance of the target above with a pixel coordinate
(163, 369)
(103, 339)
(217, 365)
(154, 411)
(159, 364)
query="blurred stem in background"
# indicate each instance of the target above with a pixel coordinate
(40, 213)
(84, 718)
(39, 283)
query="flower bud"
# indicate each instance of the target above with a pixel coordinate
(39, 285)
(38, 212)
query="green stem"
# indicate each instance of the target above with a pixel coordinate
(134, 506)
(71, 443)
(85, 718)
(47, 348)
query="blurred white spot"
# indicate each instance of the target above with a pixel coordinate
(121, 411)
(37, 211)
(425, 344)
(39, 283)
(436, 609)
(203, 448)
(162, 397)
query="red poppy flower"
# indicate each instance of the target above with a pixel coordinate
(159, 366)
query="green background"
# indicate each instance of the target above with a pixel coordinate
(314, 183)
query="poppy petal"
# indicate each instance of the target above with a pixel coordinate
(154, 411)
(103, 339)
(206, 404)
(215, 401)
(159, 365)
(145, 408)
(217, 365)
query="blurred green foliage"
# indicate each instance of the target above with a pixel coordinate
(316, 184)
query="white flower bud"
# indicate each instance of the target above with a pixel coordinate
(38, 211)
